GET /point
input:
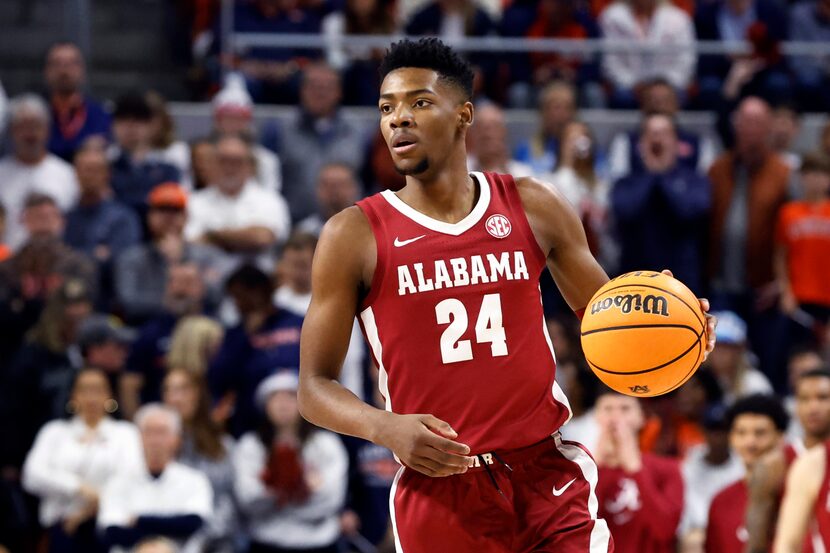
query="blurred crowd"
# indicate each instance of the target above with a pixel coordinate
(152, 290)
(612, 78)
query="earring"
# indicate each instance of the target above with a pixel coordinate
(71, 407)
(111, 406)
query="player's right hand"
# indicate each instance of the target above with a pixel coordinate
(425, 443)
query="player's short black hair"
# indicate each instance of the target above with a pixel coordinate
(760, 404)
(430, 53)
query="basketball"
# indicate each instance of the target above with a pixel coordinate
(644, 334)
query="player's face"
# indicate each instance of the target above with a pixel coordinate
(812, 405)
(422, 119)
(752, 436)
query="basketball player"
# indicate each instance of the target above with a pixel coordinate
(444, 275)
(756, 427)
(806, 502)
(766, 483)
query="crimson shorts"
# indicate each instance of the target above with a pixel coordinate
(546, 503)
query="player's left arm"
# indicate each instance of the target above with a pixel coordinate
(561, 237)
(803, 486)
(765, 482)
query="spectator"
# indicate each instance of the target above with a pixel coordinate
(163, 143)
(450, 20)
(163, 497)
(203, 164)
(557, 107)
(266, 339)
(30, 168)
(4, 106)
(801, 361)
(156, 545)
(707, 469)
(640, 495)
(660, 213)
(134, 171)
(272, 73)
(653, 23)
(99, 226)
(659, 96)
(75, 116)
(786, 124)
(205, 448)
(146, 365)
(764, 22)
(290, 477)
(37, 270)
(576, 178)
(766, 483)
(194, 342)
(38, 380)
(731, 363)
(564, 20)
(337, 189)
(810, 22)
(233, 115)
(234, 213)
(141, 272)
(72, 460)
(489, 150)
(294, 294)
(749, 185)
(756, 425)
(803, 248)
(316, 135)
(103, 343)
(359, 66)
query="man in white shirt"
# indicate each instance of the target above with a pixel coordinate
(234, 213)
(164, 498)
(30, 167)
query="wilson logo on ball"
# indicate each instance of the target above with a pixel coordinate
(626, 303)
(498, 226)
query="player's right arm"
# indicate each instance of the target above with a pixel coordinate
(344, 263)
(803, 485)
(765, 483)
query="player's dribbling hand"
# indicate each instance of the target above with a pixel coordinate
(711, 321)
(425, 443)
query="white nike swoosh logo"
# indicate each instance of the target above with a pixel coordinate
(561, 490)
(399, 243)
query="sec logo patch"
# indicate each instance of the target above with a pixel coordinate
(498, 226)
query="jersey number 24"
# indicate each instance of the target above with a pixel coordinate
(489, 328)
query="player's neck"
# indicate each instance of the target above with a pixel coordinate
(447, 195)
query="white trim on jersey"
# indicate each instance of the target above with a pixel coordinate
(367, 316)
(454, 229)
(392, 491)
(600, 534)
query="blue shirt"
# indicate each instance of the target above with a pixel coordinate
(132, 182)
(107, 224)
(248, 19)
(148, 352)
(243, 361)
(96, 122)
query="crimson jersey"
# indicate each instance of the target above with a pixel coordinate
(726, 531)
(642, 509)
(454, 319)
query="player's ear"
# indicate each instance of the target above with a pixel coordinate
(466, 115)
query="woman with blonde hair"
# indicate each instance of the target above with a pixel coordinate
(193, 343)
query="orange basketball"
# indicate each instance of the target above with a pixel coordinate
(644, 334)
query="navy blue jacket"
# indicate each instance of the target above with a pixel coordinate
(108, 223)
(97, 122)
(147, 355)
(243, 361)
(661, 222)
